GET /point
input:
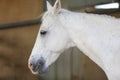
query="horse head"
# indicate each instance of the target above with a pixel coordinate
(51, 41)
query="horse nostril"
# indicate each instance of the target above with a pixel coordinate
(37, 66)
(30, 64)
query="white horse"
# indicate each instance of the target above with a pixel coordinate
(97, 36)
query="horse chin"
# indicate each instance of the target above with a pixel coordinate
(42, 70)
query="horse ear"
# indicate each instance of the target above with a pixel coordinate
(57, 6)
(49, 6)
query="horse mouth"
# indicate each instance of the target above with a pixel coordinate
(38, 69)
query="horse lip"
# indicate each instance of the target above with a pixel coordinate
(36, 68)
(39, 69)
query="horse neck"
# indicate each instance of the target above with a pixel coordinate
(75, 25)
(93, 35)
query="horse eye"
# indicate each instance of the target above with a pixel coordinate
(42, 32)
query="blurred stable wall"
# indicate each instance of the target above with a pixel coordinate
(16, 43)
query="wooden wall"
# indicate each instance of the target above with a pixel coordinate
(16, 43)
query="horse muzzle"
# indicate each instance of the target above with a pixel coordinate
(37, 67)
